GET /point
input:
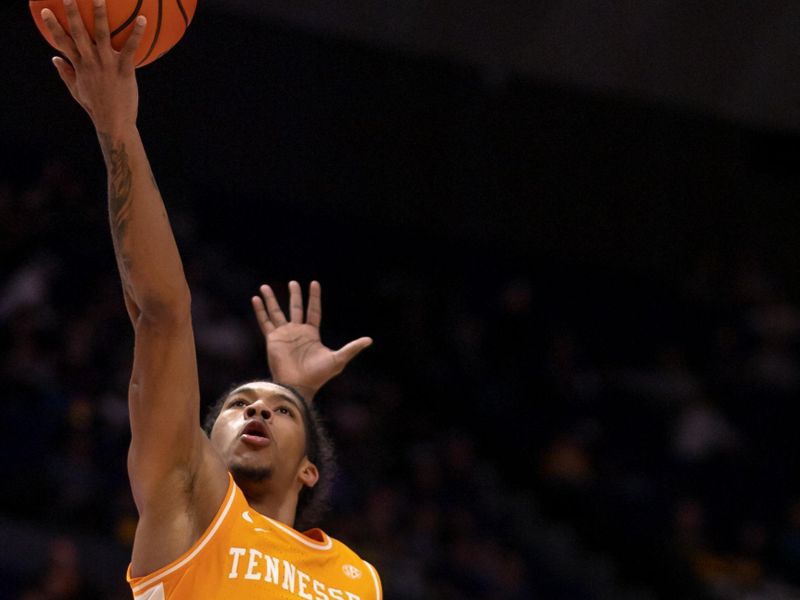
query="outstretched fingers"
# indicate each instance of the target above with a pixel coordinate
(314, 308)
(77, 31)
(64, 43)
(128, 51)
(262, 317)
(349, 351)
(274, 312)
(76, 43)
(295, 302)
(102, 35)
(67, 74)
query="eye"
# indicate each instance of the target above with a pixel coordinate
(284, 410)
(237, 403)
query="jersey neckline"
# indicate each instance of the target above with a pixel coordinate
(319, 541)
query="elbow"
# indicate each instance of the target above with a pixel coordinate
(175, 309)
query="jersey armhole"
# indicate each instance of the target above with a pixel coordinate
(377, 580)
(138, 584)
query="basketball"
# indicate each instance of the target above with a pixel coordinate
(167, 21)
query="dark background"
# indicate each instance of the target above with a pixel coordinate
(375, 137)
(528, 235)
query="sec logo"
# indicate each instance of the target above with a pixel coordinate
(351, 571)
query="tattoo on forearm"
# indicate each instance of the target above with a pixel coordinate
(120, 179)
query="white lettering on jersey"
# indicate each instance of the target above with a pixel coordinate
(319, 591)
(270, 569)
(236, 553)
(252, 564)
(302, 585)
(289, 572)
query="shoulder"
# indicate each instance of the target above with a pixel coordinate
(352, 566)
(153, 567)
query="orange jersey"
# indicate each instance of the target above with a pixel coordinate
(245, 555)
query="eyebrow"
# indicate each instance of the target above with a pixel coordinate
(251, 393)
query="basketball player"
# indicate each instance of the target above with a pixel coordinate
(216, 513)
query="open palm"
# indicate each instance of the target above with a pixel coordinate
(295, 352)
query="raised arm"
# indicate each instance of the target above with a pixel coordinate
(167, 445)
(295, 354)
(103, 82)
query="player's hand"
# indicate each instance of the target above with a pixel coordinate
(295, 354)
(102, 80)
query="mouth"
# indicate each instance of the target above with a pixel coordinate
(255, 433)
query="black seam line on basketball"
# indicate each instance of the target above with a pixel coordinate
(158, 32)
(129, 20)
(183, 12)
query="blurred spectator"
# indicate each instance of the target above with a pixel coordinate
(507, 438)
(61, 578)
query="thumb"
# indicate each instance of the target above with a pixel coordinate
(66, 72)
(349, 351)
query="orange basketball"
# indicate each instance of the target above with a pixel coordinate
(167, 21)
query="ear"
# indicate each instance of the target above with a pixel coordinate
(308, 475)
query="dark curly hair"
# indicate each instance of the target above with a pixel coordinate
(312, 501)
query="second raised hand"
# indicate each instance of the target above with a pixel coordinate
(295, 353)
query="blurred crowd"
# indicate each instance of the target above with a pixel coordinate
(518, 431)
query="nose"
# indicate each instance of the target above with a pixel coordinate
(258, 409)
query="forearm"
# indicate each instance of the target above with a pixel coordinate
(103, 81)
(307, 392)
(147, 255)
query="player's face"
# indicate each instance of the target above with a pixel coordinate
(260, 431)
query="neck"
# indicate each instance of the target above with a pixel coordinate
(262, 497)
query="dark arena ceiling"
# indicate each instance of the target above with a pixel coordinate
(736, 60)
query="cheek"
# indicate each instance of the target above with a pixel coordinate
(220, 432)
(214, 437)
(295, 439)
(301, 444)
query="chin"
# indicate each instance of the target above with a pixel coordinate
(250, 473)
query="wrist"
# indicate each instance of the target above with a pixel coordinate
(115, 130)
(306, 391)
